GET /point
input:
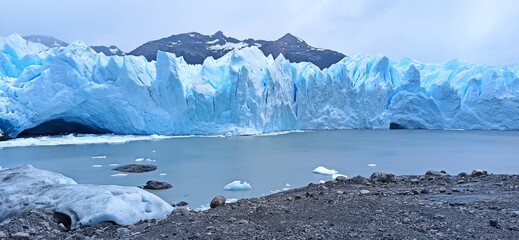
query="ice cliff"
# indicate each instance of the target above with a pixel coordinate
(245, 92)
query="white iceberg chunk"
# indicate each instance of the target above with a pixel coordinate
(98, 157)
(97, 165)
(25, 188)
(238, 185)
(372, 165)
(324, 171)
(119, 175)
(139, 159)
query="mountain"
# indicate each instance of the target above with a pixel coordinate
(108, 51)
(50, 41)
(46, 40)
(244, 92)
(195, 48)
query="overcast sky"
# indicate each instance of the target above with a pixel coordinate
(478, 31)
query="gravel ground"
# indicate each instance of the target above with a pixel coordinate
(430, 206)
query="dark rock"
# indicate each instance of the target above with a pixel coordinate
(424, 191)
(359, 180)
(156, 185)
(442, 190)
(309, 194)
(463, 175)
(341, 179)
(478, 173)
(136, 168)
(181, 204)
(217, 201)
(493, 223)
(383, 177)
(297, 197)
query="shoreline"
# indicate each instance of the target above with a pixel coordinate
(434, 205)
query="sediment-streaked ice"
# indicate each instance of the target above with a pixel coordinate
(24, 188)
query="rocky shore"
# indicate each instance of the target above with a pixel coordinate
(436, 205)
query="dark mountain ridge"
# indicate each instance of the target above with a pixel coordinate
(195, 48)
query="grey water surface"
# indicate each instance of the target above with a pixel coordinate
(199, 167)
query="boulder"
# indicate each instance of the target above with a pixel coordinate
(359, 180)
(156, 185)
(341, 179)
(436, 173)
(382, 177)
(136, 168)
(217, 201)
(478, 173)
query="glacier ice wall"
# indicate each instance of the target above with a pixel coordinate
(245, 92)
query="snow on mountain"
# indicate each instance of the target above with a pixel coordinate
(244, 92)
(24, 188)
(195, 48)
(51, 42)
(109, 51)
(46, 40)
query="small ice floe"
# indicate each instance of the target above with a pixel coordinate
(163, 174)
(274, 191)
(322, 181)
(139, 159)
(334, 176)
(324, 171)
(288, 185)
(97, 165)
(202, 208)
(99, 157)
(372, 165)
(150, 160)
(154, 151)
(231, 200)
(113, 164)
(238, 185)
(119, 175)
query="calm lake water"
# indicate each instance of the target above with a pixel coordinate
(199, 167)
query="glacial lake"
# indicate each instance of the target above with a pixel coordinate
(199, 167)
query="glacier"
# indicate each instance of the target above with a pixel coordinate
(245, 92)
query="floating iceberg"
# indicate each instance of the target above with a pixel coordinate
(238, 185)
(49, 90)
(324, 171)
(25, 188)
